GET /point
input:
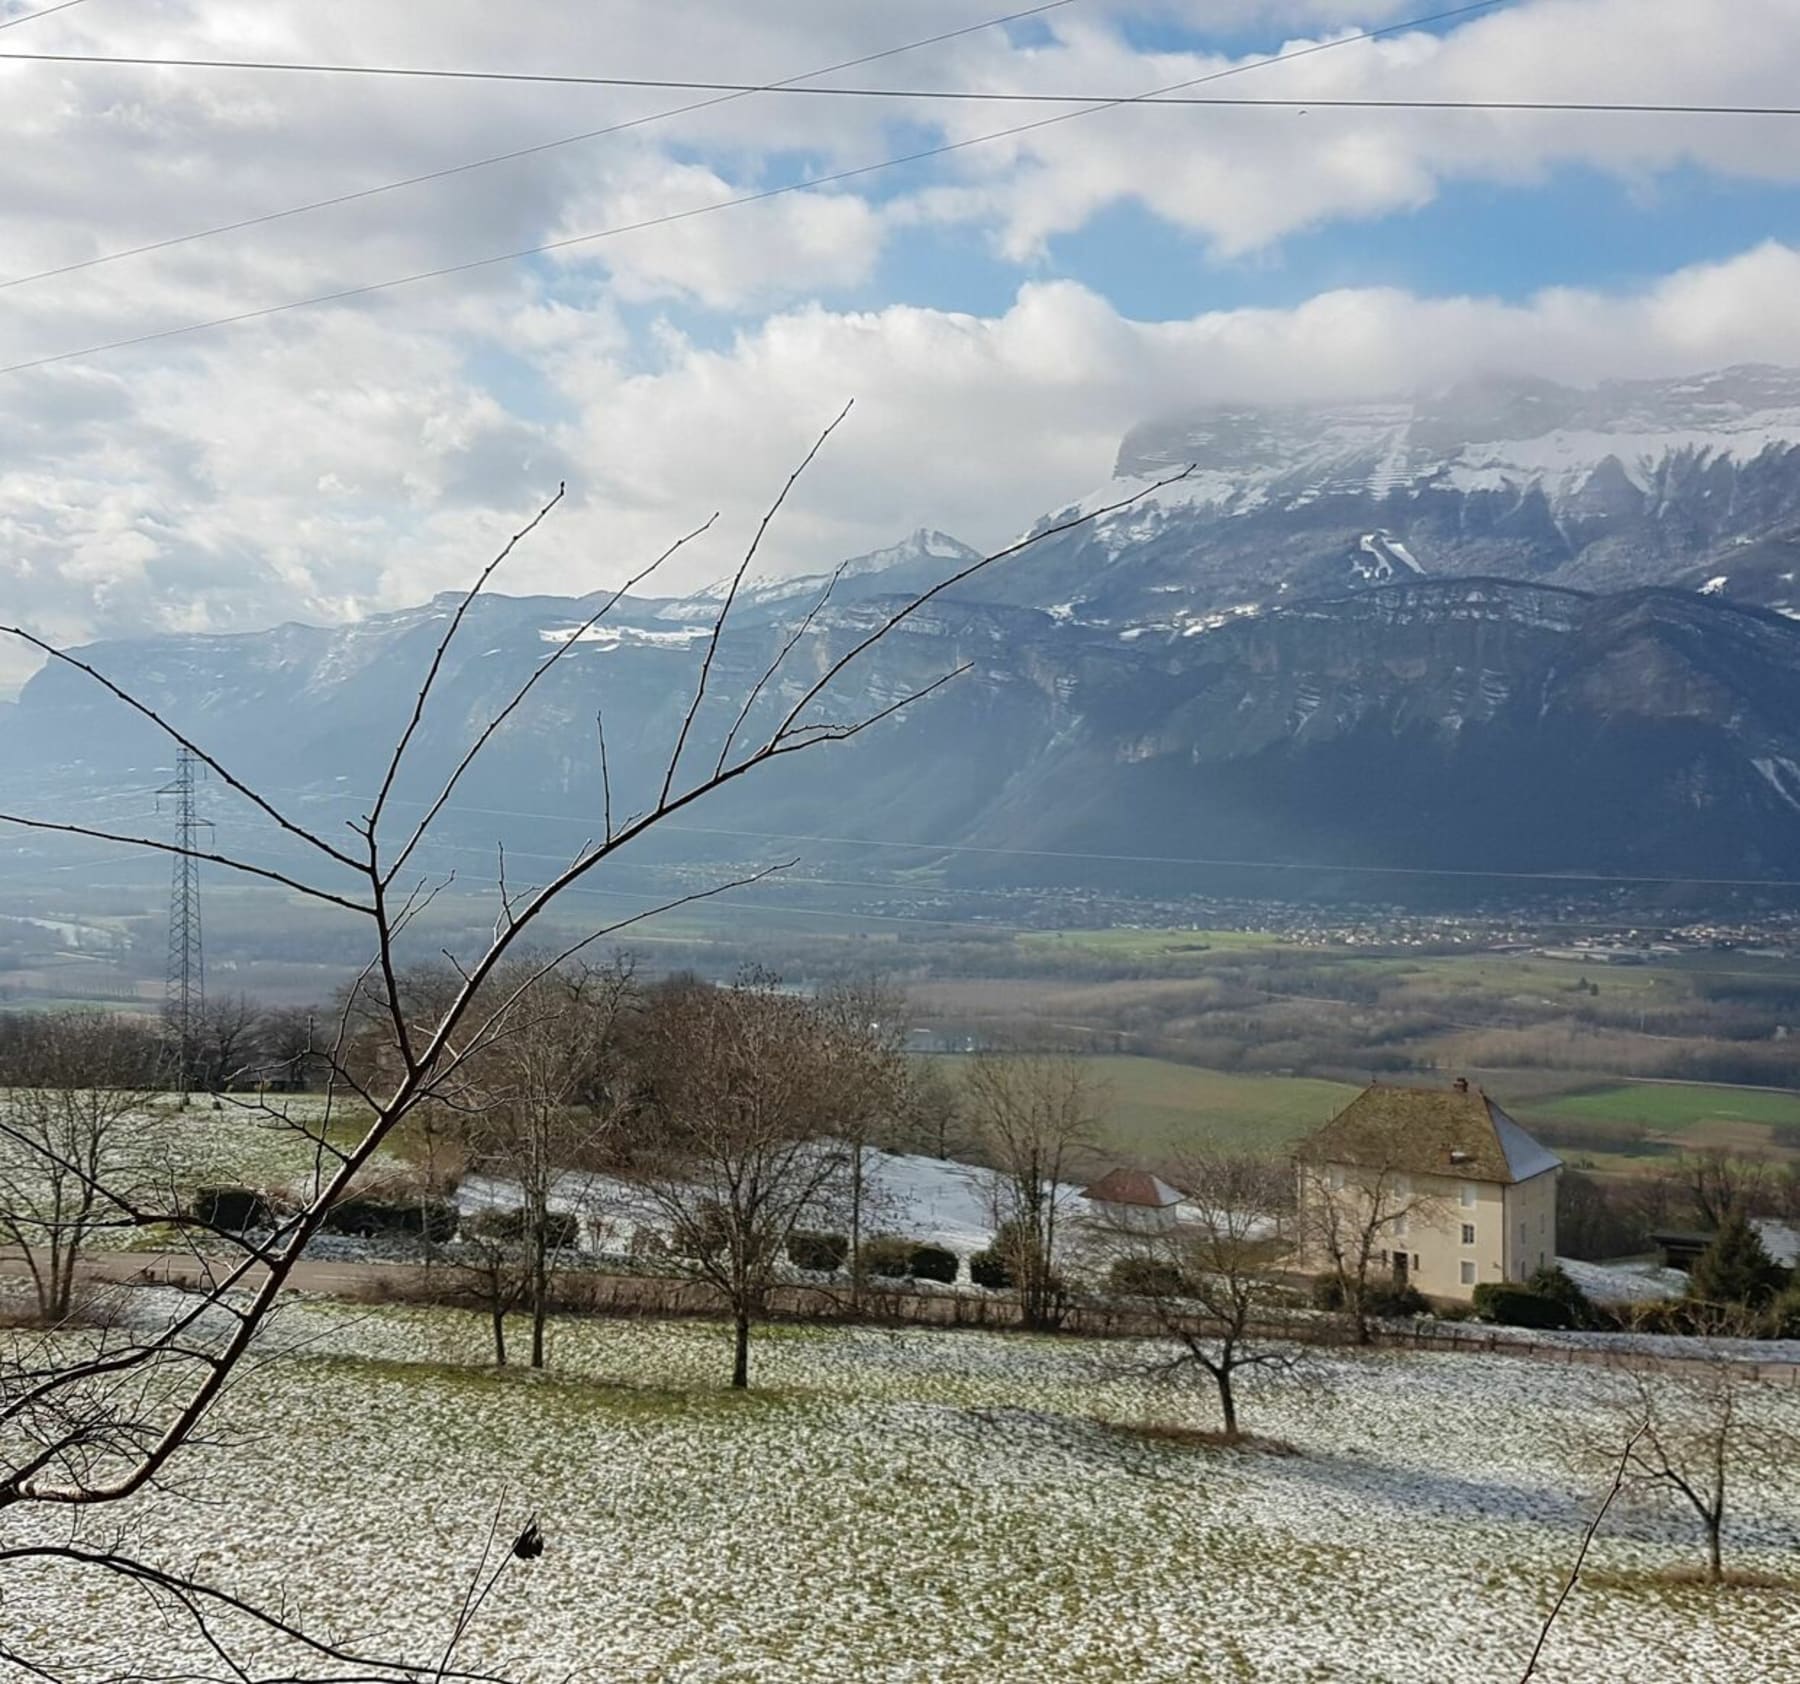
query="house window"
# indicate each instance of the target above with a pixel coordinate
(1334, 1179)
(1468, 1195)
(1468, 1229)
(1402, 1187)
(1400, 1225)
(1468, 1274)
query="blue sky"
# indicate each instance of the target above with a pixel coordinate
(1001, 314)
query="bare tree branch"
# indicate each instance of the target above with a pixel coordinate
(373, 819)
(1587, 1538)
(718, 630)
(120, 694)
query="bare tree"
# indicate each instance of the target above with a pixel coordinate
(1208, 1273)
(867, 1024)
(1692, 1433)
(288, 1038)
(933, 1109)
(374, 873)
(548, 1104)
(1032, 1113)
(1354, 1219)
(73, 1135)
(1716, 1184)
(225, 1045)
(748, 1086)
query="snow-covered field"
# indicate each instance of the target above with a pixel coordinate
(238, 1144)
(931, 1200)
(915, 1507)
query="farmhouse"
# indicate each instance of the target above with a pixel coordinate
(1435, 1188)
(1132, 1199)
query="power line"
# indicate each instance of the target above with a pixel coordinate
(924, 154)
(42, 12)
(967, 95)
(532, 151)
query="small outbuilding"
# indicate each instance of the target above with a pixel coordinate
(1131, 1198)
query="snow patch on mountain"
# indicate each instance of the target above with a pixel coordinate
(1782, 775)
(1388, 558)
(615, 637)
(942, 554)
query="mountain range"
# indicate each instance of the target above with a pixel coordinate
(1511, 627)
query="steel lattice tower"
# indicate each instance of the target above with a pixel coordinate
(184, 989)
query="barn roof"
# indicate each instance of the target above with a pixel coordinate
(1455, 1131)
(1132, 1187)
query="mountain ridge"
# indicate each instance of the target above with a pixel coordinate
(1341, 657)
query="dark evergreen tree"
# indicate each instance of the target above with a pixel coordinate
(1735, 1268)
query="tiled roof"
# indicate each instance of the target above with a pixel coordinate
(1132, 1187)
(1453, 1131)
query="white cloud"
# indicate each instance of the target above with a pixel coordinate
(978, 424)
(329, 461)
(346, 462)
(1245, 178)
(759, 252)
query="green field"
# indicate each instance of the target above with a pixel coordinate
(1124, 944)
(1671, 1108)
(1153, 1108)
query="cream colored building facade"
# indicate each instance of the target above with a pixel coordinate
(1437, 1187)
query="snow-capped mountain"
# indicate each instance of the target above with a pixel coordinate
(1692, 483)
(914, 564)
(1484, 725)
(1515, 627)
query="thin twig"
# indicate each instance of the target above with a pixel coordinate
(1587, 1538)
(437, 659)
(718, 630)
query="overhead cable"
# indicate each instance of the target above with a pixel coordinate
(665, 219)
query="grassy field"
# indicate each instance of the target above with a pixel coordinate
(1674, 1108)
(1127, 944)
(1153, 1108)
(957, 1508)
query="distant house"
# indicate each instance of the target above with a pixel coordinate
(1131, 1198)
(1435, 1188)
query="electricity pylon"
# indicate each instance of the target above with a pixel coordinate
(184, 986)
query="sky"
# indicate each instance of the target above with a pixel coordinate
(1000, 312)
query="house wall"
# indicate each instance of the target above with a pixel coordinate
(1530, 1225)
(1446, 1266)
(1441, 1263)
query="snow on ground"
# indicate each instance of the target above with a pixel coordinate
(952, 1508)
(933, 1200)
(237, 1145)
(1624, 1283)
(1782, 1242)
(938, 1200)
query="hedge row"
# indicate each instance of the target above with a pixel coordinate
(886, 1257)
(562, 1228)
(430, 1219)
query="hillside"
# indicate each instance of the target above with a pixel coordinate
(1468, 724)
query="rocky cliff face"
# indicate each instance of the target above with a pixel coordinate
(1691, 483)
(1513, 627)
(1472, 724)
